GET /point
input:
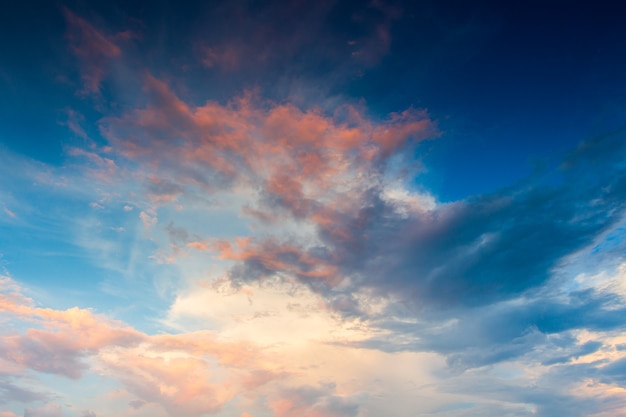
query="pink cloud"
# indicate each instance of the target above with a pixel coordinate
(298, 157)
(373, 47)
(74, 123)
(253, 380)
(410, 124)
(148, 219)
(273, 257)
(66, 339)
(10, 213)
(239, 355)
(304, 164)
(93, 48)
(178, 372)
(182, 385)
(100, 167)
(225, 57)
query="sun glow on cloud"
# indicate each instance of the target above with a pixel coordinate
(242, 253)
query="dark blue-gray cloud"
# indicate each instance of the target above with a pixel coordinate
(615, 372)
(318, 400)
(481, 281)
(475, 252)
(11, 391)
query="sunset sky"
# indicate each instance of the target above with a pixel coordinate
(312, 208)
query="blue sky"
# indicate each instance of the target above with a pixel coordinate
(339, 209)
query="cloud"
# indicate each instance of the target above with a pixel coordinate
(379, 16)
(307, 165)
(136, 404)
(60, 352)
(10, 391)
(270, 36)
(249, 143)
(228, 57)
(177, 372)
(103, 168)
(148, 220)
(9, 213)
(94, 50)
(181, 385)
(462, 254)
(47, 410)
(313, 401)
(615, 372)
(536, 329)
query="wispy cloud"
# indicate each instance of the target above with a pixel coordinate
(94, 50)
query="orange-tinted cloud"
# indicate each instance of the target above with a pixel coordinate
(178, 372)
(301, 160)
(306, 165)
(64, 339)
(184, 386)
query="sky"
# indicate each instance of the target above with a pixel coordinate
(312, 209)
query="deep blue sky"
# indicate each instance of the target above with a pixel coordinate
(513, 86)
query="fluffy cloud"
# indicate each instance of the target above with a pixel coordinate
(186, 374)
(177, 372)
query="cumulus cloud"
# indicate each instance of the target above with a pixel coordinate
(176, 372)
